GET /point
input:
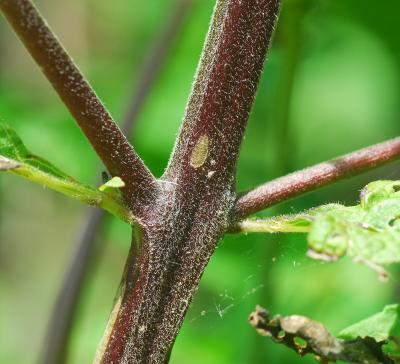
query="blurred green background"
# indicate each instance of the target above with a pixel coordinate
(331, 85)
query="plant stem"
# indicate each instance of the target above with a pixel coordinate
(272, 225)
(103, 133)
(172, 247)
(55, 348)
(309, 179)
(225, 86)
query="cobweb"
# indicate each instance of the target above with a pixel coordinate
(273, 270)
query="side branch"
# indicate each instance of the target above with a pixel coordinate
(309, 179)
(103, 133)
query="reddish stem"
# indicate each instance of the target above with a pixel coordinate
(309, 179)
(181, 231)
(226, 83)
(103, 133)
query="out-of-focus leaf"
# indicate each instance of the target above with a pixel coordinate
(15, 158)
(382, 327)
(369, 233)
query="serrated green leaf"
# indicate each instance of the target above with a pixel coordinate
(368, 233)
(15, 158)
(381, 326)
(113, 183)
(384, 326)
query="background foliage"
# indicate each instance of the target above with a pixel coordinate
(344, 56)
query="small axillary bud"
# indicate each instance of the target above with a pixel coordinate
(200, 152)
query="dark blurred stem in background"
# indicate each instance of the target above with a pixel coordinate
(1, 218)
(154, 61)
(396, 270)
(2, 46)
(56, 341)
(291, 40)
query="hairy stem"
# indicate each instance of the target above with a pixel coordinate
(309, 179)
(224, 89)
(103, 133)
(175, 241)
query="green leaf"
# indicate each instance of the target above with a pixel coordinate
(368, 233)
(373, 340)
(382, 327)
(15, 158)
(115, 182)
